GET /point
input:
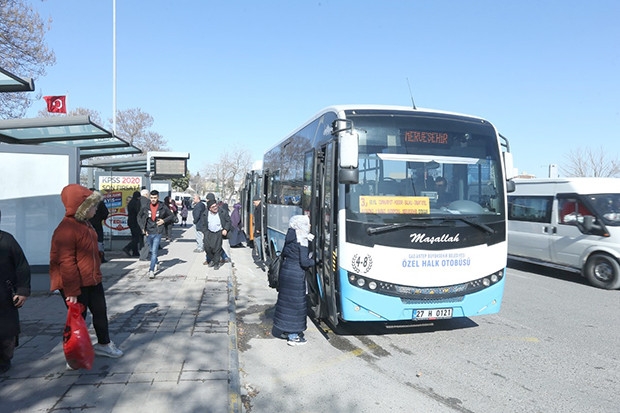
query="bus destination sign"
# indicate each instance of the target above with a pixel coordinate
(425, 137)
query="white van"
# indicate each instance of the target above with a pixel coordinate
(568, 223)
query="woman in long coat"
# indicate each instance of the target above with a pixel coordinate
(290, 314)
(236, 238)
(14, 288)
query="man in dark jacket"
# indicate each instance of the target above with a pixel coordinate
(14, 288)
(225, 257)
(144, 203)
(199, 209)
(215, 226)
(137, 239)
(153, 220)
(97, 223)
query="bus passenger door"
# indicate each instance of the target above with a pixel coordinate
(325, 216)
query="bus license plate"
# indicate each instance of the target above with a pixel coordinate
(432, 314)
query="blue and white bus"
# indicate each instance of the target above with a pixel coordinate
(408, 207)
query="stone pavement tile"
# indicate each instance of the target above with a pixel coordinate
(33, 394)
(155, 377)
(191, 396)
(204, 375)
(89, 397)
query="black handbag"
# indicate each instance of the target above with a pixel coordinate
(273, 272)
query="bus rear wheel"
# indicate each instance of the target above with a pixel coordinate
(603, 271)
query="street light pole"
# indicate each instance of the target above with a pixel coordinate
(114, 67)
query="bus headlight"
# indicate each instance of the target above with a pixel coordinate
(372, 285)
(361, 282)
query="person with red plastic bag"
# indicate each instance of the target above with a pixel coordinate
(76, 344)
(75, 263)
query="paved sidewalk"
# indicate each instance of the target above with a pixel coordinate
(178, 333)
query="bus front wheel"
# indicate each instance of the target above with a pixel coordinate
(603, 271)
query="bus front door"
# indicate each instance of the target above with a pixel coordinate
(325, 183)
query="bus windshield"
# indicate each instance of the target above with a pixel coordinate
(416, 166)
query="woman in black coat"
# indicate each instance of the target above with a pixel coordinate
(290, 314)
(14, 288)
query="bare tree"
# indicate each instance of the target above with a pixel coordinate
(590, 163)
(133, 124)
(228, 172)
(23, 52)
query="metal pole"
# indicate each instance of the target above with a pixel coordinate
(114, 67)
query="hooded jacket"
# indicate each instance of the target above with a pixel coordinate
(74, 254)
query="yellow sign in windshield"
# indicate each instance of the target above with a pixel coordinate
(395, 205)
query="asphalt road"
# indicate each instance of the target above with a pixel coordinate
(552, 348)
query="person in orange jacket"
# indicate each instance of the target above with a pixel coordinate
(75, 263)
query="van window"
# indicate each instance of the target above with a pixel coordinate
(530, 208)
(571, 211)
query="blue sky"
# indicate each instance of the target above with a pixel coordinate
(218, 75)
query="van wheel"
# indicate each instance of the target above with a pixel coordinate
(603, 271)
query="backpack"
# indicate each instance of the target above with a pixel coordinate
(273, 271)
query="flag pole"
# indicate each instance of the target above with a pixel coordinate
(114, 67)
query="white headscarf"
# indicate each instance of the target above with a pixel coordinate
(301, 225)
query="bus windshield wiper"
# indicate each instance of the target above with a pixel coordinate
(390, 227)
(470, 221)
(418, 224)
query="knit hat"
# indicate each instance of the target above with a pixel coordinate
(210, 202)
(210, 196)
(256, 198)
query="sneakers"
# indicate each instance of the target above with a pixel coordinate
(217, 266)
(157, 266)
(69, 368)
(297, 341)
(211, 264)
(108, 350)
(151, 275)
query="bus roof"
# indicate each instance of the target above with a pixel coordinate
(340, 109)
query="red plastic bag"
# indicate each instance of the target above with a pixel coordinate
(76, 342)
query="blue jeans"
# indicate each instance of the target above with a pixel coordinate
(153, 241)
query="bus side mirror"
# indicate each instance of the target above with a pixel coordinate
(348, 154)
(508, 165)
(510, 186)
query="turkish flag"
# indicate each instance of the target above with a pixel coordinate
(56, 104)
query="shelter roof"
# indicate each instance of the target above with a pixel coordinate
(12, 83)
(69, 131)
